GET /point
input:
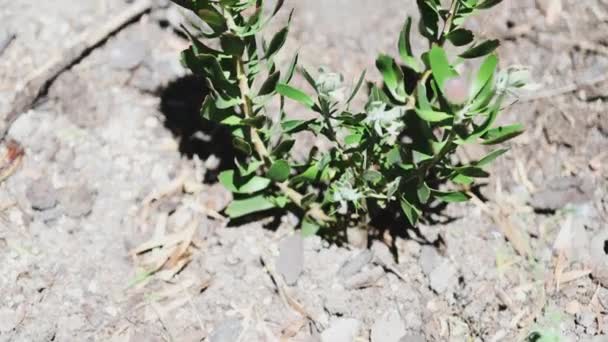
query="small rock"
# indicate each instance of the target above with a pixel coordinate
(41, 194)
(429, 258)
(599, 257)
(586, 319)
(388, 328)
(562, 191)
(77, 201)
(364, 279)
(341, 330)
(337, 302)
(443, 277)
(127, 54)
(357, 237)
(354, 265)
(227, 331)
(382, 255)
(413, 338)
(290, 261)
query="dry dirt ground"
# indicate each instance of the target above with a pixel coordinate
(114, 158)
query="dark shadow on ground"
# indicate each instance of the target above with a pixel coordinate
(180, 104)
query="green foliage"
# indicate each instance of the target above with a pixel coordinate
(391, 153)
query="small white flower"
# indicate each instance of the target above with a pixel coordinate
(386, 123)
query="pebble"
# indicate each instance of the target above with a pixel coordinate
(77, 201)
(364, 279)
(290, 262)
(127, 54)
(599, 257)
(227, 331)
(41, 194)
(429, 258)
(562, 191)
(388, 328)
(354, 265)
(443, 277)
(341, 330)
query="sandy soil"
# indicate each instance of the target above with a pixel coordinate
(115, 157)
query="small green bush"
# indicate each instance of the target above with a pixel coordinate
(395, 152)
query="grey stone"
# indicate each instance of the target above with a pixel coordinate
(413, 338)
(364, 279)
(127, 54)
(382, 255)
(388, 328)
(337, 302)
(562, 191)
(290, 261)
(77, 201)
(227, 331)
(443, 277)
(429, 258)
(354, 265)
(341, 330)
(41, 194)
(599, 257)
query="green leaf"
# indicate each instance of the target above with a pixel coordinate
(277, 42)
(242, 185)
(462, 179)
(486, 72)
(502, 134)
(257, 122)
(372, 176)
(269, 86)
(213, 18)
(295, 94)
(279, 171)
(440, 66)
(232, 45)
(411, 212)
(357, 87)
(432, 116)
(308, 77)
(424, 193)
(429, 18)
(482, 49)
(405, 47)
(241, 145)
(294, 126)
(309, 228)
(283, 148)
(460, 37)
(242, 207)
(292, 69)
(472, 171)
(353, 139)
(392, 75)
(252, 167)
(488, 4)
(490, 157)
(451, 196)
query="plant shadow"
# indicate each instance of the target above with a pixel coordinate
(180, 103)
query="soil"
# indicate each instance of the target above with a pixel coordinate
(115, 156)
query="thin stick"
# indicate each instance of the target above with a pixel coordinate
(40, 80)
